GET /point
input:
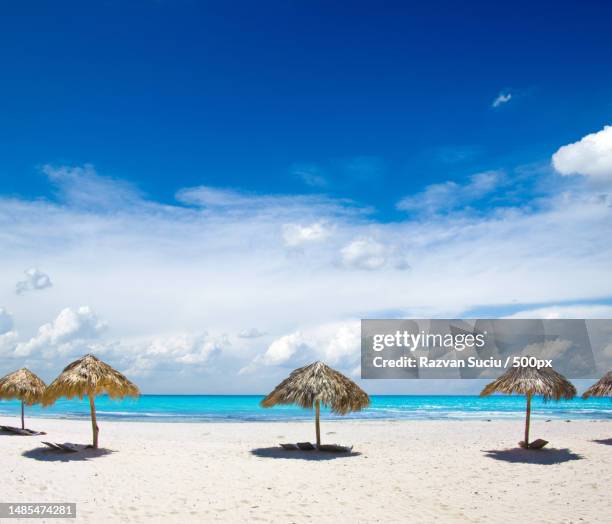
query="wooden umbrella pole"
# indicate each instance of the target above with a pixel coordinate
(22, 416)
(94, 425)
(317, 424)
(527, 418)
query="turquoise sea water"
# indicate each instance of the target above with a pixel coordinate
(210, 408)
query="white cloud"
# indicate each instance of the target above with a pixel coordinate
(170, 352)
(8, 337)
(6, 321)
(82, 186)
(502, 98)
(35, 280)
(337, 343)
(450, 195)
(586, 311)
(281, 350)
(591, 156)
(251, 333)
(230, 201)
(286, 351)
(296, 235)
(364, 253)
(344, 343)
(154, 269)
(68, 331)
(215, 197)
(8, 341)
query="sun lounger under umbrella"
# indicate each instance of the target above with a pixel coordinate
(531, 381)
(319, 385)
(25, 386)
(89, 376)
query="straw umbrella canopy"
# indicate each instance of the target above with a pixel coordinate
(315, 385)
(601, 388)
(22, 385)
(530, 381)
(89, 376)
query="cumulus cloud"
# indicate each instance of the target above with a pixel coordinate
(591, 156)
(369, 254)
(364, 253)
(336, 343)
(286, 351)
(344, 343)
(171, 352)
(67, 332)
(8, 341)
(297, 235)
(502, 98)
(282, 349)
(451, 195)
(8, 337)
(221, 263)
(6, 321)
(35, 280)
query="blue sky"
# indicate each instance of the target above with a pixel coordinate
(206, 191)
(372, 99)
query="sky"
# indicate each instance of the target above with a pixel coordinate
(207, 195)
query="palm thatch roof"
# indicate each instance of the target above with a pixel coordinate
(23, 385)
(601, 388)
(317, 381)
(89, 376)
(527, 380)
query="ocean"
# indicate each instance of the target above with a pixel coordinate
(242, 408)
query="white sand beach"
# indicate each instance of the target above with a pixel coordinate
(433, 471)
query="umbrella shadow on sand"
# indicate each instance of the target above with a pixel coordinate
(545, 457)
(606, 441)
(50, 455)
(4, 433)
(280, 453)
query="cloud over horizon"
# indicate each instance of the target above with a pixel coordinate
(171, 287)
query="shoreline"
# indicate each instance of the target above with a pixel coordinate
(341, 420)
(241, 409)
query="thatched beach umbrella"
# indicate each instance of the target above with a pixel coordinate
(601, 388)
(23, 385)
(530, 381)
(316, 385)
(89, 376)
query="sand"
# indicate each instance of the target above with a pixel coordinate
(432, 471)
